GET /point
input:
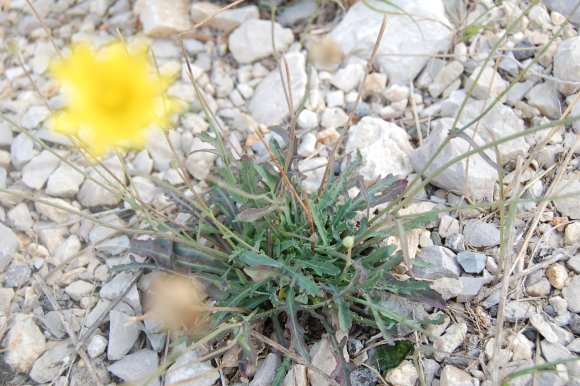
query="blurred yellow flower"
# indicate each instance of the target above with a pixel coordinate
(113, 96)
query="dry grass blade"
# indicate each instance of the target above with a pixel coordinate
(354, 107)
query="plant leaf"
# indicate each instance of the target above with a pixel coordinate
(295, 328)
(391, 356)
(253, 214)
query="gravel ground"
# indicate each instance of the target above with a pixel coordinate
(66, 317)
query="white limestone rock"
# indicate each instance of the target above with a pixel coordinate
(427, 33)
(268, 104)
(384, 146)
(163, 18)
(252, 40)
(567, 65)
(64, 182)
(488, 84)
(480, 178)
(24, 343)
(38, 170)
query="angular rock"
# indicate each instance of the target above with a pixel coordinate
(553, 352)
(445, 77)
(188, 371)
(64, 182)
(52, 210)
(455, 242)
(226, 20)
(567, 64)
(448, 342)
(471, 287)
(499, 122)
(313, 169)
(448, 225)
(479, 234)
(571, 294)
(333, 117)
(481, 177)
(113, 289)
(200, 162)
(363, 376)
(268, 104)
(6, 295)
(17, 274)
(47, 367)
(322, 356)
(123, 333)
(472, 262)
(252, 40)
(296, 376)
(348, 78)
(79, 289)
(357, 32)
(34, 116)
(541, 287)
(21, 150)
(452, 376)
(372, 136)
(442, 263)
(162, 18)
(24, 343)
(36, 172)
(447, 287)
(97, 345)
(92, 194)
(138, 366)
(404, 375)
(543, 328)
(488, 84)
(569, 205)
(266, 371)
(307, 120)
(545, 98)
(307, 145)
(519, 311)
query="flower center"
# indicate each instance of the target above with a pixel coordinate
(113, 99)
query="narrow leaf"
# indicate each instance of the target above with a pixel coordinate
(295, 328)
(253, 214)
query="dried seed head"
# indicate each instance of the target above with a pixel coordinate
(179, 302)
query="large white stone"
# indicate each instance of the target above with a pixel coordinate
(36, 172)
(268, 105)
(162, 18)
(189, 371)
(64, 182)
(408, 42)
(385, 148)
(486, 83)
(567, 65)
(253, 40)
(497, 123)
(24, 343)
(480, 176)
(95, 194)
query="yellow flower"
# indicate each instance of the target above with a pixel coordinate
(113, 96)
